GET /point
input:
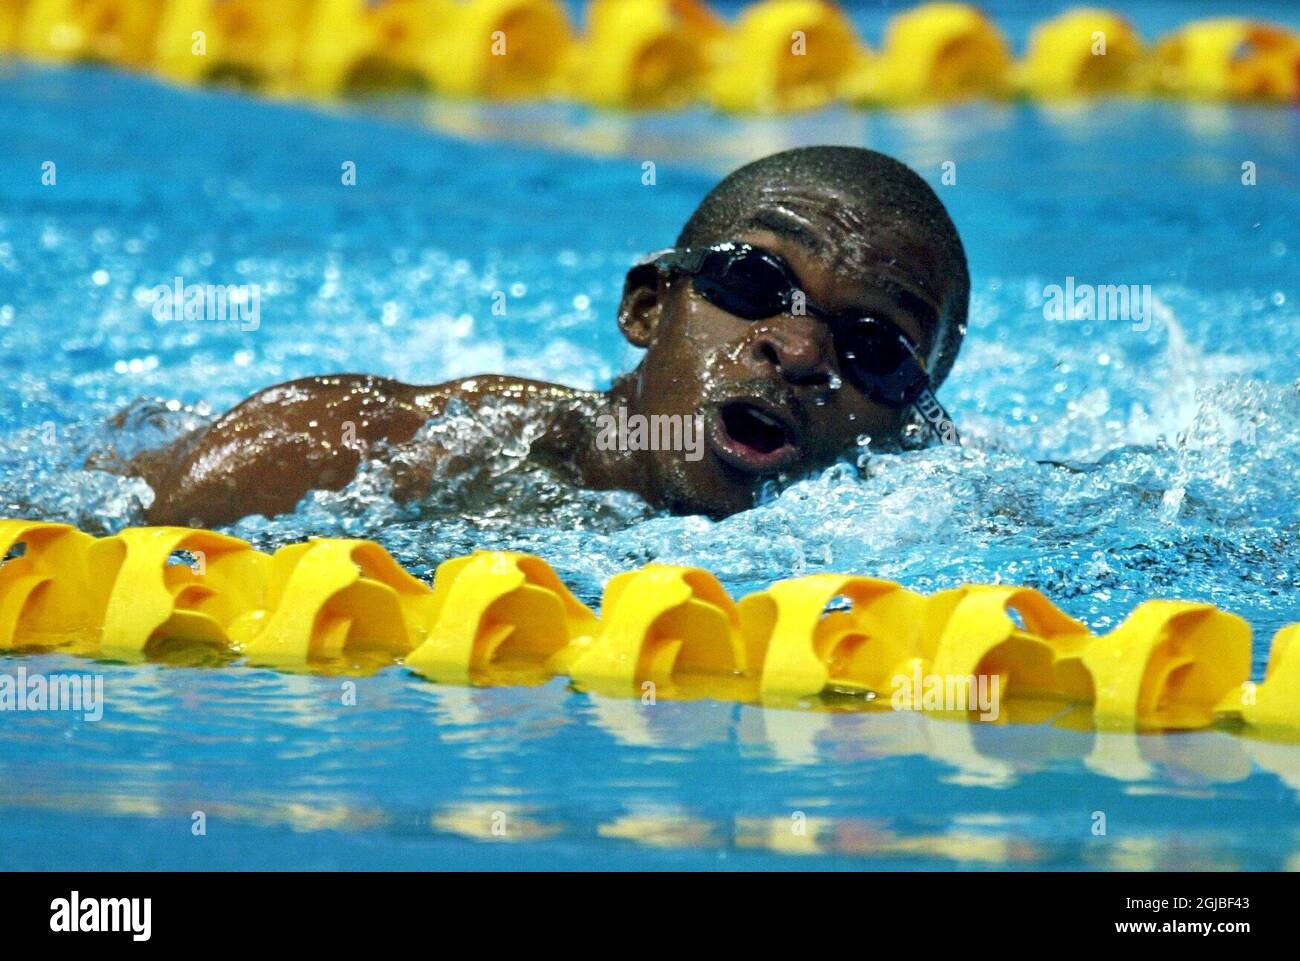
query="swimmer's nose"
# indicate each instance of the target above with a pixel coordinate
(798, 347)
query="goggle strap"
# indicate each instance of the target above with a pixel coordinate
(933, 413)
(688, 260)
(660, 258)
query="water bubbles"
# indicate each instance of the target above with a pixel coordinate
(863, 457)
(1127, 412)
(465, 472)
(136, 365)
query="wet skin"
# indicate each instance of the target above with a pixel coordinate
(771, 393)
(702, 359)
(311, 434)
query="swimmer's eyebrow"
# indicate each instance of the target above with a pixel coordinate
(783, 225)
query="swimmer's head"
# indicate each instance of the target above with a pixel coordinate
(861, 234)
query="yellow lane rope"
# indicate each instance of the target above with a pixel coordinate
(501, 617)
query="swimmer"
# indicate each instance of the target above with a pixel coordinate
(814, 296)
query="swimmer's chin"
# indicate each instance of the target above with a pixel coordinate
(728, 491)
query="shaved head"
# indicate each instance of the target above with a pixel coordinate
(851, 207)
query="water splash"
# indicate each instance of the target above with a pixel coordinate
(1176, 474)
(1177, 444)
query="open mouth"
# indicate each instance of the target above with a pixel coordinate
(753, 437)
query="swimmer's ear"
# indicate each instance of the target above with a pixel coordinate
(642, 306)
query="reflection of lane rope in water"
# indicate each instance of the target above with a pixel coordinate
(778, 54)
(498, 617)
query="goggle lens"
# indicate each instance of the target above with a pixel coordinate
(748, 284)
(753, 285)
(880, 362)
(875, 356)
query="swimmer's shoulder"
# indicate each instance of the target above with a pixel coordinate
(482, 387)
(331, 391)
(350, 391)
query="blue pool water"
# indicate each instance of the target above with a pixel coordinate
(1186, 432)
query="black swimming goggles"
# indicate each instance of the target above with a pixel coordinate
(875, 356)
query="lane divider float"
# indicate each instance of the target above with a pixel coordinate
(939, 51)
(778, 55)
(1084, 52)
(498, 617)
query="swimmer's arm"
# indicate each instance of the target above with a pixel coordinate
(311, 434)
(266, 453)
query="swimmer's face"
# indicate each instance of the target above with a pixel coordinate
(773, 399)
